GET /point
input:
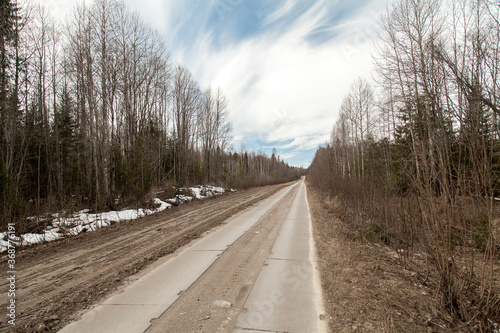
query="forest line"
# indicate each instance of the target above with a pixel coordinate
(94, 110)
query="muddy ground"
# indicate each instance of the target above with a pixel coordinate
(58, 281)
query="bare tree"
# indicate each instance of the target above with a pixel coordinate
(186, 101)
(356, 123)
(93, 111)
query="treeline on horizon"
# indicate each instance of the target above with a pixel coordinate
(94, 110)
(414, 158)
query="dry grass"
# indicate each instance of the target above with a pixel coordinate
(369, 287)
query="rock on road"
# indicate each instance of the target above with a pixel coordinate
(255, 273)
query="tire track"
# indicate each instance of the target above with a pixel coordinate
(53, 289)
(230, 278)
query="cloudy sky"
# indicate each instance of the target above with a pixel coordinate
(283, 64)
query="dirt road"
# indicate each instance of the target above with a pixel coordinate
(59, 281)
(257, 272)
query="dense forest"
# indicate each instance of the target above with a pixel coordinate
(94, 109)
(414, 157)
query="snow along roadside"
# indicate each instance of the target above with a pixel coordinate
(82, 221)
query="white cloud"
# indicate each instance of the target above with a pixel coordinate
(282, 87)
(281, 12)
(157, 13)
(61, 9)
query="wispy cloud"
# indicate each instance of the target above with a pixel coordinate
(281, 11)
(284, 90)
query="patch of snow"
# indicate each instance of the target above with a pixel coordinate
(83, 221)
(47, 236)
(163, 205)
(79, 222)
(3, 244)
(202, 192)
(180, 199)
(197, 192)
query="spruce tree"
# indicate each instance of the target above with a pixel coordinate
(8, 104)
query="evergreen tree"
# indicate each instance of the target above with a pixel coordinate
(8, 107)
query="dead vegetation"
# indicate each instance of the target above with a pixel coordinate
(365, 287)
(370, 286)
(414, 159)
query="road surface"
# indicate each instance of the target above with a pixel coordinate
(287, 294)
(256, 273)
